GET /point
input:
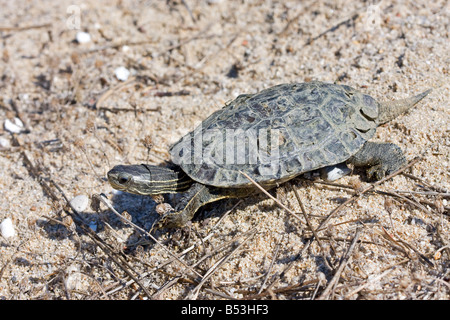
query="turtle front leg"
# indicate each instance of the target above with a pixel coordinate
(197, 196)
(381, 158)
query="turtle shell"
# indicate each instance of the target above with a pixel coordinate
(277, 134)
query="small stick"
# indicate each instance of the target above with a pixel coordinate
(120, 261)
(114, 89)
(220, 294)
(193, 294)
(333, 184)
(117, 110)
(181, 254)
(80, 144)
(391, 192)
(115, 46)
(164, 287)
(306, 216)
(344, 260)
(189, 10)
(291, 21)
(425, 193)
(294, 287)
(181, 43)
(421, 255)
(222, 218)
(405, 245)
(378, 277)
(171, 93)
(313, 297)
(37, 26)
(220, 248)
(366, 189)
(283, 32)
(442, 239)
(322, 249)
(334, 28)
(277, 248)
(291, 264)
(103, 199)
(389, 237)
(272, 197)
(298, 256)
(412, 202)
(428, 185)
(34, 173)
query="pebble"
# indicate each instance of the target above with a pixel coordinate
(4, 143)
(7, 228)
(83, 37)
(80, 203)
(122, 73)
(14, 127)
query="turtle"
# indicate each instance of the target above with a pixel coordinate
(271, 136)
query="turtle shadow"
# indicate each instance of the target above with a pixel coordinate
(140, 209)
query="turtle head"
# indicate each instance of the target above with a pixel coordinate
(147, 179)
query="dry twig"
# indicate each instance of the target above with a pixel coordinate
(272, 197)
(194, 293)
(366, 189)
(306, 216)
(343, 263)
(105, 201)
(36, 26)
(275, 255)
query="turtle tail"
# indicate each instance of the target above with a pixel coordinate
(389, 110)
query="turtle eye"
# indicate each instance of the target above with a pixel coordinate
(123, 179)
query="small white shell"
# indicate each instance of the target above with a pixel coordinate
(14, 127)
(122, 73)
(7, 228)
(80, 203)
(4, 143)
(83, 37)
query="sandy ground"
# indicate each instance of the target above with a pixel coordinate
(187, 58)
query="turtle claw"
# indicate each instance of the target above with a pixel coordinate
(172, 219)
(378, 172)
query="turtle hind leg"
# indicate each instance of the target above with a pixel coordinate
(381, 158)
